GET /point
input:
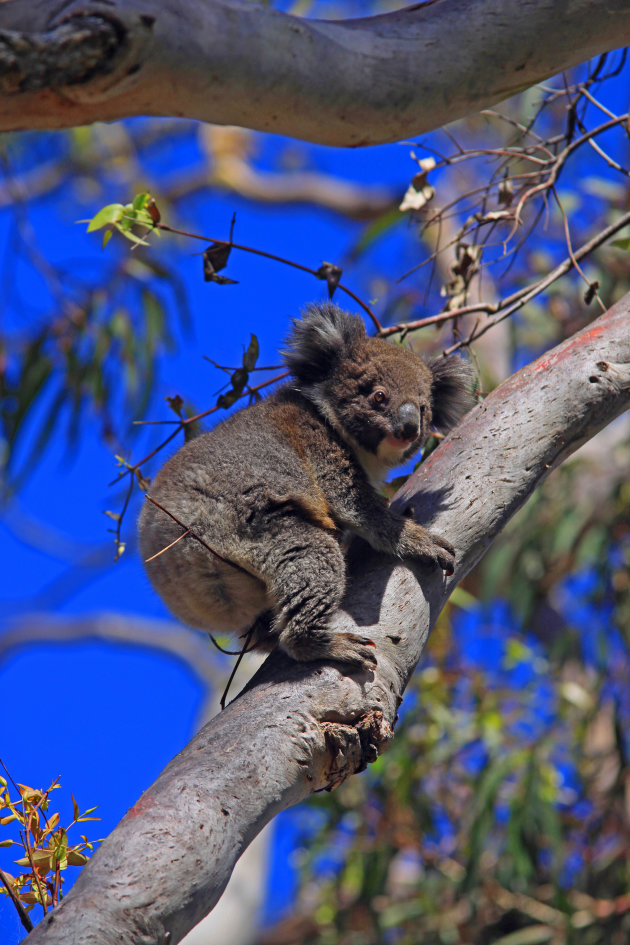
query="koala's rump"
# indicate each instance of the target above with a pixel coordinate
(202, 589)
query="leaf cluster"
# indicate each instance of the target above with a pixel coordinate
(94, 358)
(44, 844)
(141, 214)
(239, 378)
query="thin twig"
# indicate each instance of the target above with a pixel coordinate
(192, 534)
(29, 855)
(235, 667)
(281, 259)
(533, 291)
(158, 553)
(25, 918)
(567, 236)
(513, 302)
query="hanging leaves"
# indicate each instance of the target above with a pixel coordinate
(141, 213)
(332, 275)
(215, 258)
(420, 190)
(239, 378)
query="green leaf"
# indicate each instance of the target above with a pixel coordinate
(111, 214)
(132, 237)
(76, 859)
(60, 852)
(140, 201)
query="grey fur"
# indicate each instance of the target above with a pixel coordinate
(450, 392)
(274, 487)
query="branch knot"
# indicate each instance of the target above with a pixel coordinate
(353, 747)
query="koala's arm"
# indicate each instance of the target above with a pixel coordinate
(356, 505)
(340, 491)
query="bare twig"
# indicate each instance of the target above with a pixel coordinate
(281, 259)
(25, 918)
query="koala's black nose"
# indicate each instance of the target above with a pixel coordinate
(408, 422)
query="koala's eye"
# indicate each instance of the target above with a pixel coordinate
(379, 397)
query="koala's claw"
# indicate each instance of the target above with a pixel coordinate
(348, 648)
(446, 559)
(353, 650)
(440, 552)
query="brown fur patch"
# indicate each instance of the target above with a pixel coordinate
(313, 506)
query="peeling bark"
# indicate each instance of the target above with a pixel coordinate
(347, 82)
(301, 728)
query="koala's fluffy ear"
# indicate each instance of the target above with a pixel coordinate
(324, 335)
(451, 391)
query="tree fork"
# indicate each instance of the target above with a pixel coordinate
(299, 728)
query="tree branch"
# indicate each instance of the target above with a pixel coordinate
(349, 82)
(188, 646)
(301, 728)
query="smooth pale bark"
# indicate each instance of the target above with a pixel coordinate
(297, 729)
(348, 82)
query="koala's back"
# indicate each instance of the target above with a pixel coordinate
(234, 487)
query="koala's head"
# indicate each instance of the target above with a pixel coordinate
(380, 397)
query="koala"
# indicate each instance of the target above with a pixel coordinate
(261, 504)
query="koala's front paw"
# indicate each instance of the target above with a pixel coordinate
(348, 648)
(431, 549)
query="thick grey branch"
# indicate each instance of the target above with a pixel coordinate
(349, 82)
(189, 646)
(300, 728)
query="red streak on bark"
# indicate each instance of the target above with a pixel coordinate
(588, 336)
(142, 805)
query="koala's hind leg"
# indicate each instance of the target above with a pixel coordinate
(306, 578)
